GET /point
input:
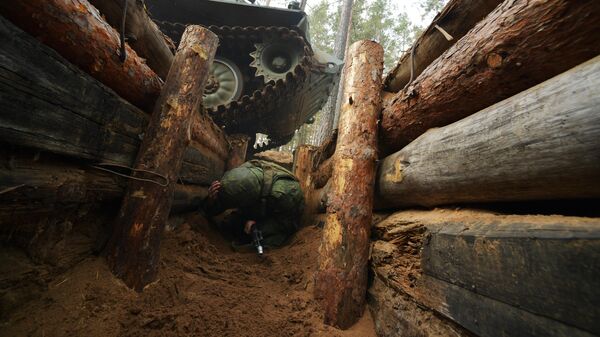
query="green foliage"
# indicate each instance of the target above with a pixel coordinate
(432, 6)
(378, 20)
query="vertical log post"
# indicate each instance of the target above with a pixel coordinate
(237, 151)
(133, 251)
(341, 279)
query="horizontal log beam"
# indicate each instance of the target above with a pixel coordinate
(143, 35)
(76, 31)
(50, 105)
(519, 44)
(456, 19)
(396, 314)
(495, 274)
(541, 144)
(42, 183)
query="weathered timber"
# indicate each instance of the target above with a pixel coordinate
(303, 164)
(237, 153)
(456, 19)
(72, 114)
(40, 183)
(341, 279)
(77, 31)
(142, 34)
(495, 275)
(133, 250)
(541, 144)
(519, 44)
(322, 175)
(396, 314)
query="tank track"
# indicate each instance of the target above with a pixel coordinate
(251, 112)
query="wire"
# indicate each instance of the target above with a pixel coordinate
(123, 50)
(99, 167)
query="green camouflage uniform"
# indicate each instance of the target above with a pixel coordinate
(264, 192)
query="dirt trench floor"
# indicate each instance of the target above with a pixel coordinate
(204, 289)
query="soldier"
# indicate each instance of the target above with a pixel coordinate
(264, 194)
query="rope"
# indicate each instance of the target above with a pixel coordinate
(123, 51)
(99, 167)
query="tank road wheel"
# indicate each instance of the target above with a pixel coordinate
(273, 59)
(224, 83)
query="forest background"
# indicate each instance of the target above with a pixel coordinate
(395, 24)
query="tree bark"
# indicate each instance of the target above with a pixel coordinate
(543, 143)
(339, 50)
(495, 275)
(237, 153)
(143, 35)
(456, 19)
(341, 279)
(133, 251)
(76, 30)
(34, 184)
(520, 44)
(71, 114)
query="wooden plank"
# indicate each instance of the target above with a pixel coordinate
(519, 44)
(40, 183)
(396, 314)
(143, 35)
(77, 31)
(133, 251)
(50, 105)
(341, 280)
(539, 268)
(541, 144)
(456, 19)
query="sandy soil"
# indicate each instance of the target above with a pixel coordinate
(205, 289)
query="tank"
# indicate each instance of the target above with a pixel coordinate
(266, 77)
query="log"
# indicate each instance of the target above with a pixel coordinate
(239, 148)
(322, 175)
(142, 34)
(34, 183)
(71, 114)
(133, 250)
(302, 168)
(516, 150)
(396, 314)
(341, 279)
(456, 19)
(76, 30)
(518, 45)
(495, 275)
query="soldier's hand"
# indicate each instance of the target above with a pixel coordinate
(248, 226)
(213, 190)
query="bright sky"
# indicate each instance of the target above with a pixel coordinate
(409, 6)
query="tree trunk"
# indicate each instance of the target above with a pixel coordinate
(239, 147)
(326, 127)
(520, 44)
(142, 33)
(456, 19)
(303, 166)
(496, 275)
(71, 114)
(33, 184)
(543, 143)
(341, 280)
(76, 30)
(133, 251)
